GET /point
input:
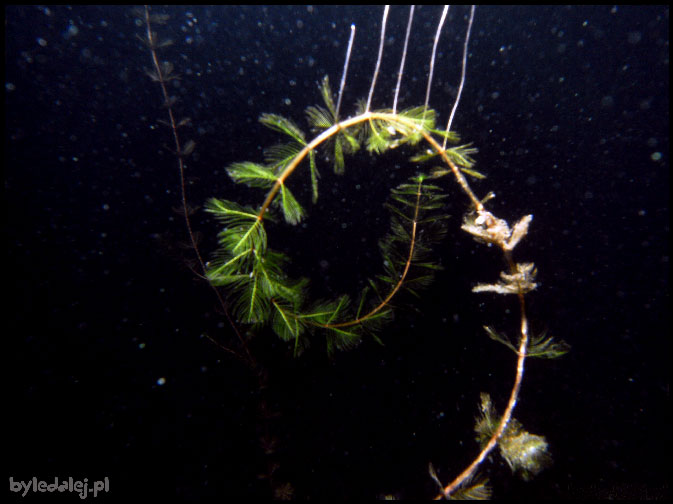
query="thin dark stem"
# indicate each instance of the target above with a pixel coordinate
(162, 79)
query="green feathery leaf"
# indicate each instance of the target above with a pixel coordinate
(543, 346)
(283, 125)
(252, 174)
(378, 140)
(320, 313)
(243, 229)
(239, 239)
(363, 297)
(473, 173)
(451, 136)
(326, 92)
(280, 155)
(315, 175)
(500, 338)
(341, 306)
(341, 339)
(462, 155)
(251, 305)
(424, 156)
(353, 144)
(285, 323)
(539, 346)
(319, 118)
(339, 163)
(292, 210)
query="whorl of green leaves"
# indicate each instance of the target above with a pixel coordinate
(259, 290)
(320, 119)
(262, 293)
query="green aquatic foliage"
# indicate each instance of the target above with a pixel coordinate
(283, 125)
(542, 346)
(263, 294)
(526, 454)
(320, 119)
(260, 291)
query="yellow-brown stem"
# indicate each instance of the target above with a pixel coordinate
(398, 285)
(460, 178)
(513, 396)
(333, 130)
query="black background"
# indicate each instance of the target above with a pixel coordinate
(569, 109)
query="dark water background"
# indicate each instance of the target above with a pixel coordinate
(569, 109)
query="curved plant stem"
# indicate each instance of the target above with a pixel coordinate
(398, 285)
(513, 396)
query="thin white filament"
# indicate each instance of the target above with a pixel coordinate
(378, 61)
(462, 77)
(404, 57)
(434, 50)
(343, 75)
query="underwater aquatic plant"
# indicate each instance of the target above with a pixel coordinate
(258, 290)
